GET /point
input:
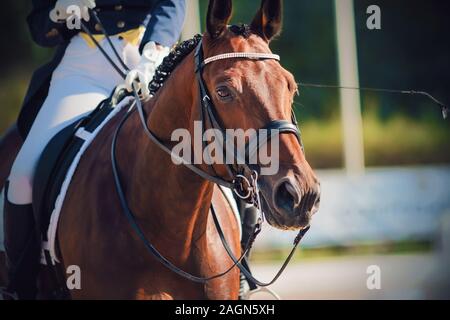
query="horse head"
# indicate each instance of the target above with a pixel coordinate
(248, 94)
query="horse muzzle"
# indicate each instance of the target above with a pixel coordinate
(287, 205)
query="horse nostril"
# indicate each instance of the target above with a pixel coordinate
(310, 202)
(287, 197)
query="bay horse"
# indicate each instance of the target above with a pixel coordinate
(171, 203)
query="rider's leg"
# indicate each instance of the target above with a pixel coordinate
(63, 106)
(22, 249)
(81, 81)
(78, 85)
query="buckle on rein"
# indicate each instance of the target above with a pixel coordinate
(247, 188)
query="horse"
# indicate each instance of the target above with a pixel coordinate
(170, 202)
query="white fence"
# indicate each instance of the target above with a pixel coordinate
(384, 204)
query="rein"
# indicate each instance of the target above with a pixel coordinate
(132, 220)
(444, 108)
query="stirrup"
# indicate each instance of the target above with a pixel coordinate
(4, 293)
(247, 295)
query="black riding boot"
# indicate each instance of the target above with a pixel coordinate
(249, 217)
(22, 250)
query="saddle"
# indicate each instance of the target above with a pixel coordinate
(57, 158)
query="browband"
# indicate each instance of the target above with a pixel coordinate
(244, 55)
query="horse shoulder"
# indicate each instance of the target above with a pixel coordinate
(226, 287)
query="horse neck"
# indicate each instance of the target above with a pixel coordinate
(169, 200)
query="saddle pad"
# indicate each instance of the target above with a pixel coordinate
(49, 243)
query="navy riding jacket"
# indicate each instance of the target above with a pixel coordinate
(163, 20)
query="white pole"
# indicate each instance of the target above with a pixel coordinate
(348, 76)
(192, 23)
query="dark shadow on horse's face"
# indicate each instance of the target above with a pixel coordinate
(249, 94)
(292, 196)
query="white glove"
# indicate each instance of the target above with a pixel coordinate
(62, 9)
(140, 77)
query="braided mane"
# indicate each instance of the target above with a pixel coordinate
(180, 52)
(171, 62)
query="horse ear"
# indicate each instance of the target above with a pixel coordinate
(268, 20)
(219, 14)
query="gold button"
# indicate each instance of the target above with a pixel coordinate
(52, 33)
(98, 27)
(118, 7)
(120, 24)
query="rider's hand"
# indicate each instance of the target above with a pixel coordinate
(63, 9)
(152, 56)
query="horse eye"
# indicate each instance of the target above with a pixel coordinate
(223, 93)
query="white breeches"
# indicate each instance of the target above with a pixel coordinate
(82, 80)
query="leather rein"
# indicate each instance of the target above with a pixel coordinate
(244, 181)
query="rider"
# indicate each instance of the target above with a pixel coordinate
(69, 87)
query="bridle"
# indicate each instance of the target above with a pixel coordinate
(209, 115)
(240, 183)
(244, 179)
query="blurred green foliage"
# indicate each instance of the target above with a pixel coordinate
(401, 247)
(399, 140)
(410, 52)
